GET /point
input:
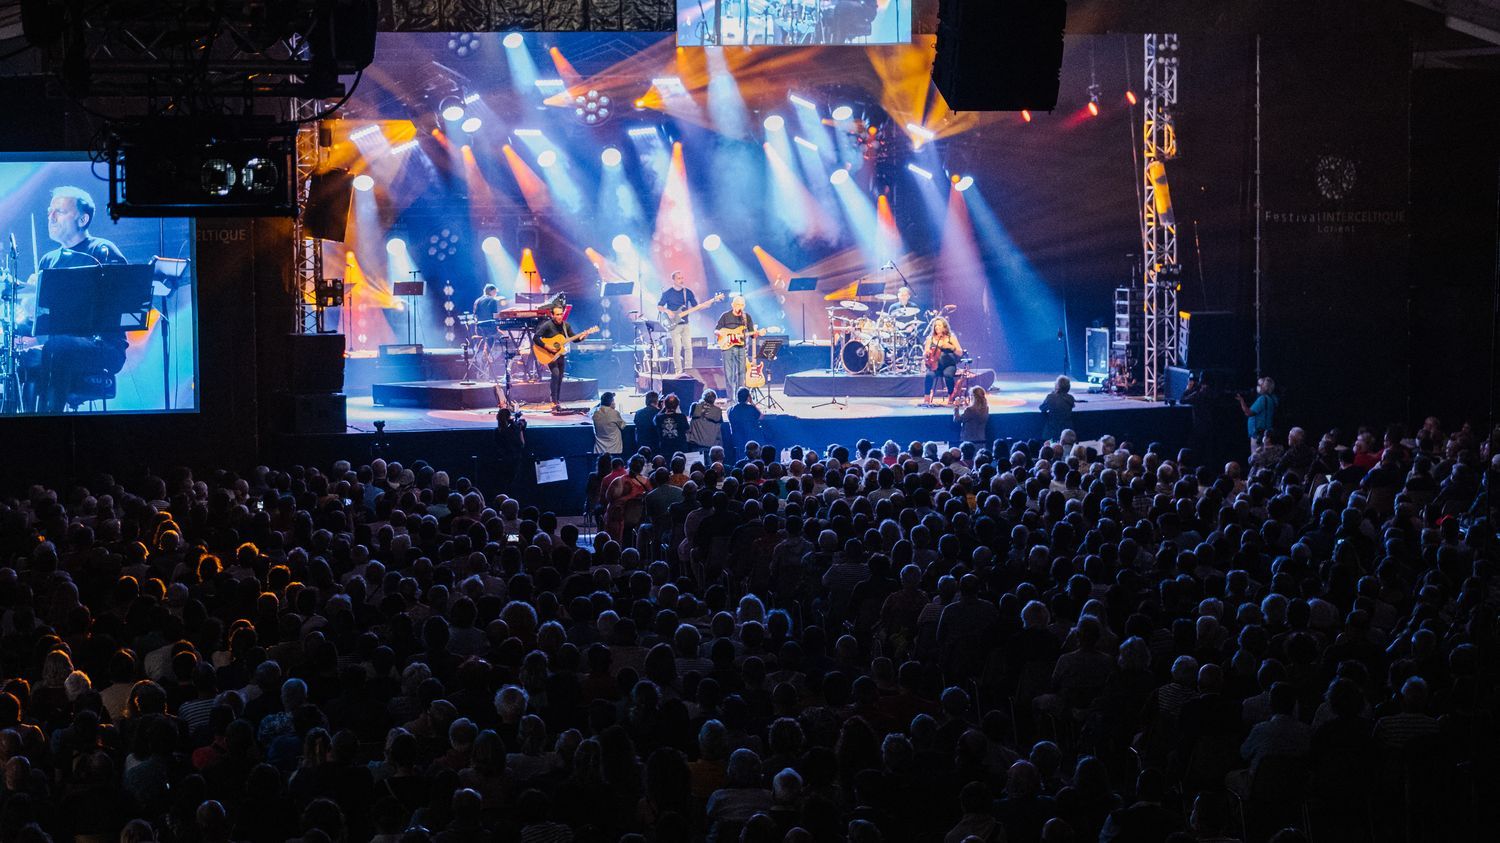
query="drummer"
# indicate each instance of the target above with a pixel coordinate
(902, 311)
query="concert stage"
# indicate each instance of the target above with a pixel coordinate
(482, 395)
(822, 383)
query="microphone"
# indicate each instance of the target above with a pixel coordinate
(15, 251)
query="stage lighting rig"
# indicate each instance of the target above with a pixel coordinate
(204, 167)
(196, 57)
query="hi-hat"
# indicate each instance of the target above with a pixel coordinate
(905, 312)
(857, 307)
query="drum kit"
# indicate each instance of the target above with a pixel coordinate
(869, 342)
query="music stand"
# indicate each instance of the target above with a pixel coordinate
(93, 300)
(770, 348)
(652, 328)
(411, 290)
(867, 289)
(618, 288)
(802, 284)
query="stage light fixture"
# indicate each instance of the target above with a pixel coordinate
(921, 131)
(963, 183)
(452, 109)
(490, 246)
(401, 148)
(775, 123)
(843, 112)
(801, 101)
(395, 245)
(621, 244)
(513, 41)
(712, 242)
(1026, 115)
(364, 132)
(547, 158)
(528, 133)
(641, 131)
(364, 183)
(640, 105)
(471, 125)
(1093, 109)
(840, 176)
(464, 43)
(924, 173)
(804, 143)
(202, 167)
(610, 156)
(1130, 97)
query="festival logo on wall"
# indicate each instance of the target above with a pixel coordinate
(1331, 187)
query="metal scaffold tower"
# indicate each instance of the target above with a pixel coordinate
(1158, 223)
(307, 266)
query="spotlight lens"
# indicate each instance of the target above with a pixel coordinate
(453, 113)
(547, 158)
(843, 112)
(490, 245)
(1094, 109)
(395, 244)
(512, 40)
(364, 183)
(610, 156)
(1026, 115)
(775, 123)
(260, 175)
(839, 176)
(712, 243)
(471, 125)
(964, 183)
(621, 243)
(218, 177)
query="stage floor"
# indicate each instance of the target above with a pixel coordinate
(1013, 394)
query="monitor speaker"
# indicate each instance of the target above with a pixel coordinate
(315, 363)
(712, 377)
(687, 389)
(999, 55)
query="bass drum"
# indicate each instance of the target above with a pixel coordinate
(862, 358)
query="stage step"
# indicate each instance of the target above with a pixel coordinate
(453, 395)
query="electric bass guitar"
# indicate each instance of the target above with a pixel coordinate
(728, 338)
(548, 349)
(676, 316)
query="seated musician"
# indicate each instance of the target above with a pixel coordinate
(941, 352)
(52, 368)
(489, 304)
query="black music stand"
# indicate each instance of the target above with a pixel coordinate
(802, 284)
(867, 289)
(93, 300)
(770, 348)
(652, 328)
(411, 290)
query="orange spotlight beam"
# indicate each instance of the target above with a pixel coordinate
(533, 189)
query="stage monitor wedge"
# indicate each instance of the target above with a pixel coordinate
(999, 55)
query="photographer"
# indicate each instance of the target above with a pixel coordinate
(1260, 416)
(510, 445)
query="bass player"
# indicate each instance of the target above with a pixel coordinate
(675, 304)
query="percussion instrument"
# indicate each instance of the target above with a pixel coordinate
(856, 306)
(885, 296)
(861, 358)
(906, 312)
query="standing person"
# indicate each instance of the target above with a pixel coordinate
(1200, 398)
(609, 427)
(940, 353)
(1260, 416)
(671, 427)
(674, 300)
(69, 215)
(705, 431)
(624, 499)
(1057, 409)
(510, 445)
(744, 423)
(645, 422)
(733, 330)
(549, 344)
(488, 304)
(974, 420)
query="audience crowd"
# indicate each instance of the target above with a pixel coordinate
(1008, 641)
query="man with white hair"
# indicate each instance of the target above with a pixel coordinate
(733, 331)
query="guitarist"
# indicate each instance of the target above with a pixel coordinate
(741, 326)
(552, 327)
(674, 300)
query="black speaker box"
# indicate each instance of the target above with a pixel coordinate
(314, 413)
(687, 389)
(315, 363)
(326, 215)
(1206, 339)
(712, 377)
(999, 55)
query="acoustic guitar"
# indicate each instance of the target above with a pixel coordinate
(548, 349)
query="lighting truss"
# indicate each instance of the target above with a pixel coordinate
(1158, 229)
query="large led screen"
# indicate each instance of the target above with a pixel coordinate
(96, 316)
(723, 23)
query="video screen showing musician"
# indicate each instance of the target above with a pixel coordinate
(733, 331)
(674, 300)
(81, 356)
(488, 304)
(941, 352)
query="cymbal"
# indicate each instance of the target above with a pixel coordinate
(856, 306)
(905, 312)
(885, 296)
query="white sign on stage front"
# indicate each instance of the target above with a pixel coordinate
(552, 471)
